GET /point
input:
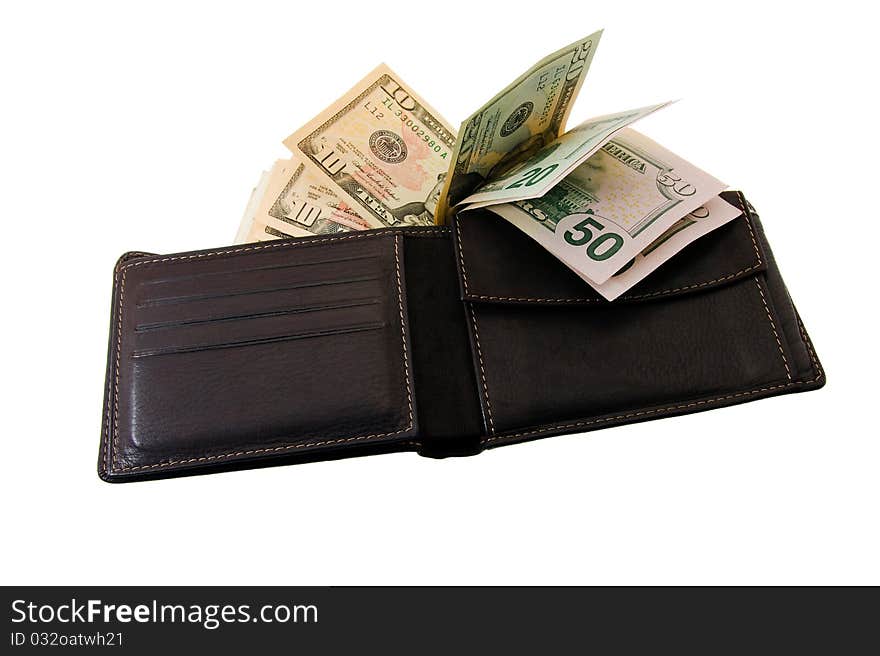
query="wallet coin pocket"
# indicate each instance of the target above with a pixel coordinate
(551, 355)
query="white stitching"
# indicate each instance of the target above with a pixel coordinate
(461, 253)
(773, 326)
(531, 299)
(745, 210)
(409, 402)
(290, 244)
(105, 456)
(817, 368)
(111, 457)
(115, 449)
(253, 451)
(472, 313)
(642, 413)
(109, 417)
(482, 370)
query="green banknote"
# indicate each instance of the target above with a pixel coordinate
(613, 206)
(524, 117)
(533, 177)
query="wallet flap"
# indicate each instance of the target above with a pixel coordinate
(500, 264)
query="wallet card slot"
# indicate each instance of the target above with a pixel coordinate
(228, 278)
(174, 323)
(268, 399)
(191, 333)
(172, 350)
(244, 270)
(169, 300)
(269, 302)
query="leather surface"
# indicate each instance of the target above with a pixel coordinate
(257, 351)
(445, 341)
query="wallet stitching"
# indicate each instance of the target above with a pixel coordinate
(438, 230)
(530, 299)
(461, 253)
(642, 413)
(817, 369)
(115, 449)
(773, 326)
(110, 458)
(482, 371)
(409, 402)
(473, 317)
(109, 417)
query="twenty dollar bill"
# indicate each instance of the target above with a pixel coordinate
(527, 115)
(535, 176)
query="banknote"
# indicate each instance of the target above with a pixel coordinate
(382, 148)
(278, 175)
(307, 201)
(710, 215)
(250, 210)
(525, 116)
(296, 202)
(614, 205)
(253, 223)
(533, 177)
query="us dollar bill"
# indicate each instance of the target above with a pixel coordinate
(525, 116)
(533, 177)
(382, 148)
(250, 210)
(295, 202)
(307, 202)
(713, 214)
(613, 206)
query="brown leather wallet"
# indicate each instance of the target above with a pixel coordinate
(441, 340)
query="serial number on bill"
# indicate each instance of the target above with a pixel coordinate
(55, 639)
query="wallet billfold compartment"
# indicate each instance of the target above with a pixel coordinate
(441, 340)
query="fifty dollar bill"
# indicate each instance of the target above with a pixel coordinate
(703, 220)
(613, 206)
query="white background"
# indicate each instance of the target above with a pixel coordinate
(126, 127)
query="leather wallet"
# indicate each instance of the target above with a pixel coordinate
(441, 340)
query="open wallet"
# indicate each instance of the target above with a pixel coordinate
(442, 340)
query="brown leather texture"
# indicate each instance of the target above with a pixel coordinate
(443, 340)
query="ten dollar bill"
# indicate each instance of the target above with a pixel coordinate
(383, 147)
